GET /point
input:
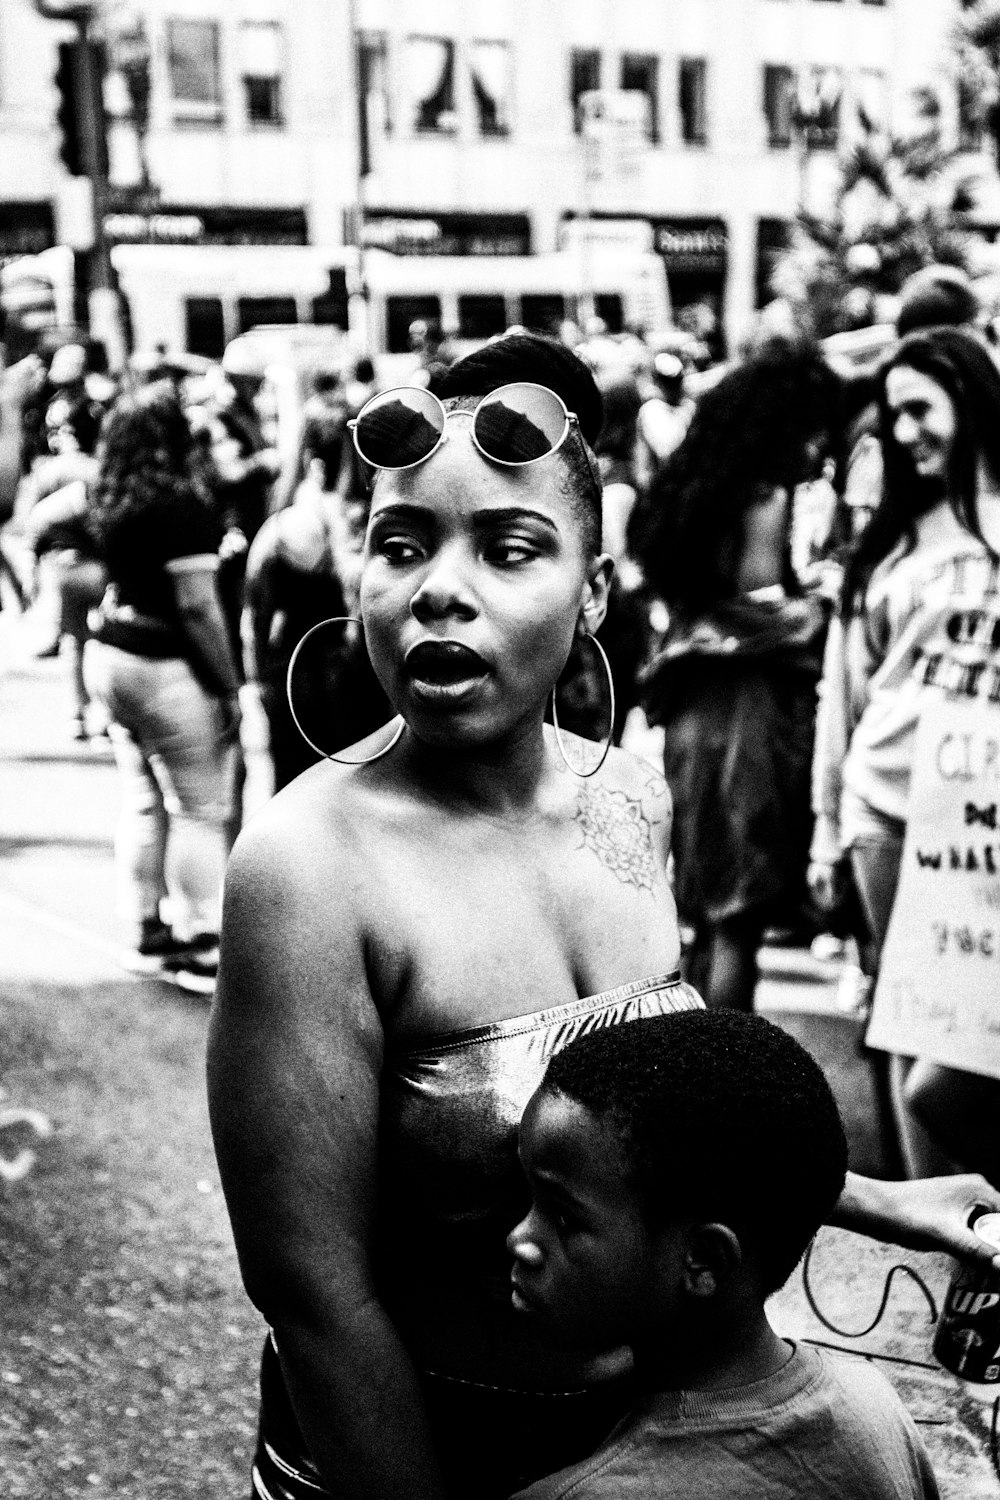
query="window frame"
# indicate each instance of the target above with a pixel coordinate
(185, 111)
(576, 55)
(776, 140)
(449, 74)
(653, 131)
(278, 121)
(699, 67)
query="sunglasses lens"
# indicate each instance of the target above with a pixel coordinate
(519, 423)
(399, 428)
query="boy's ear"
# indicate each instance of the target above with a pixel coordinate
(713, 1256)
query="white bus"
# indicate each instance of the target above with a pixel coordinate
(199, 298)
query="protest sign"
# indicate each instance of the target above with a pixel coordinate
(938, 991)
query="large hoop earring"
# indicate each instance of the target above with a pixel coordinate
(333, 620)
(583, 775)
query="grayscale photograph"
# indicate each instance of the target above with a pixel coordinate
(500, 749)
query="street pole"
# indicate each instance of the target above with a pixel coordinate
(358, 299)
(103, 300)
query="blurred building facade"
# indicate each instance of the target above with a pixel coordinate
(465, 129)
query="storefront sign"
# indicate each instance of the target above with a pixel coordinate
(938, 993)
(692, 244)
(629, 235)
(161, 224)
(406, 233)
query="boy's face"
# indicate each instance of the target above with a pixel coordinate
(584, 1261)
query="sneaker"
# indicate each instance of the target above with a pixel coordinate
(196, 968)
(155, 947)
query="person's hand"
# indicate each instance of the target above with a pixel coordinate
(233, 544)
(826, 881)
(933, 1213)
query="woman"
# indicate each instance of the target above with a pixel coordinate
(304, 567)
(406, 941)
(734, 683)
(161, 666)
(929, 554)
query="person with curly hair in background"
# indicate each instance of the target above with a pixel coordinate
(160, 662)
(734, 683)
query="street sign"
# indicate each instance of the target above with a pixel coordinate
(615, 126)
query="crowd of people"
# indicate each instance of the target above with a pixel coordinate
(470, 936)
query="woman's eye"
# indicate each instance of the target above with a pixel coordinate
(509, 551)
(397, 549)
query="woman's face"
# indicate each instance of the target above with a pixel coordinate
(474, 581)
(924, 421)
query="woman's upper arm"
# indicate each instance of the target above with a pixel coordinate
(295, 1051)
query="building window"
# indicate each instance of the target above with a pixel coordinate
(194, 69)
(779, 103)
(261, 67)
(584, 78)
(373, 81)
(430, 76)
(489, 66)
(640, 73)
(692, 100)
(819, 98)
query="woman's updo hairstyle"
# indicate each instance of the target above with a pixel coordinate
(543, 361)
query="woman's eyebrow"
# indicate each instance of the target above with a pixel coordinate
(402, 512)
(506, 515)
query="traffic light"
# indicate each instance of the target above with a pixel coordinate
(80, 111)
(68, 111)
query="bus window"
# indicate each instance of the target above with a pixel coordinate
(543, 312)
(481, 315)
(252, 311)
(608, 307)
(204, 326)
(400, 312)
(331, 307)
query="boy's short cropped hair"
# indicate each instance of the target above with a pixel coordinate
(721, 1115)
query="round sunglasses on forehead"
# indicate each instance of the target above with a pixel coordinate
(513, 425)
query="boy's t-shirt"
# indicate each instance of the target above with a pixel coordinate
(819, 1429)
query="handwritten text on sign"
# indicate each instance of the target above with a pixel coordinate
(938, 993)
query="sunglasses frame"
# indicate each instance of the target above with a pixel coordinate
(570, 421)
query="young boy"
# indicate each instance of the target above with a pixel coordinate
(678, 1167)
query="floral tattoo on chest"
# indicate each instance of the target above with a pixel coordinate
(617, 830)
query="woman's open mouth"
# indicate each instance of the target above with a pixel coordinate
(521, 1302)
(444, 671)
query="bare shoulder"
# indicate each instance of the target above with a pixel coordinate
(639, 784)
(295, 886)
(624, 816)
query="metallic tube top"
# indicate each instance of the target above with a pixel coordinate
(451, 1188)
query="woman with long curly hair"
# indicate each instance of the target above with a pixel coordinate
(927, 565)
(735, 681)
(161, 664)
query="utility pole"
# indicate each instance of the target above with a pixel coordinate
(358, 297)
(104, 299)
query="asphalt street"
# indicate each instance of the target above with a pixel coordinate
(127, 1348)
